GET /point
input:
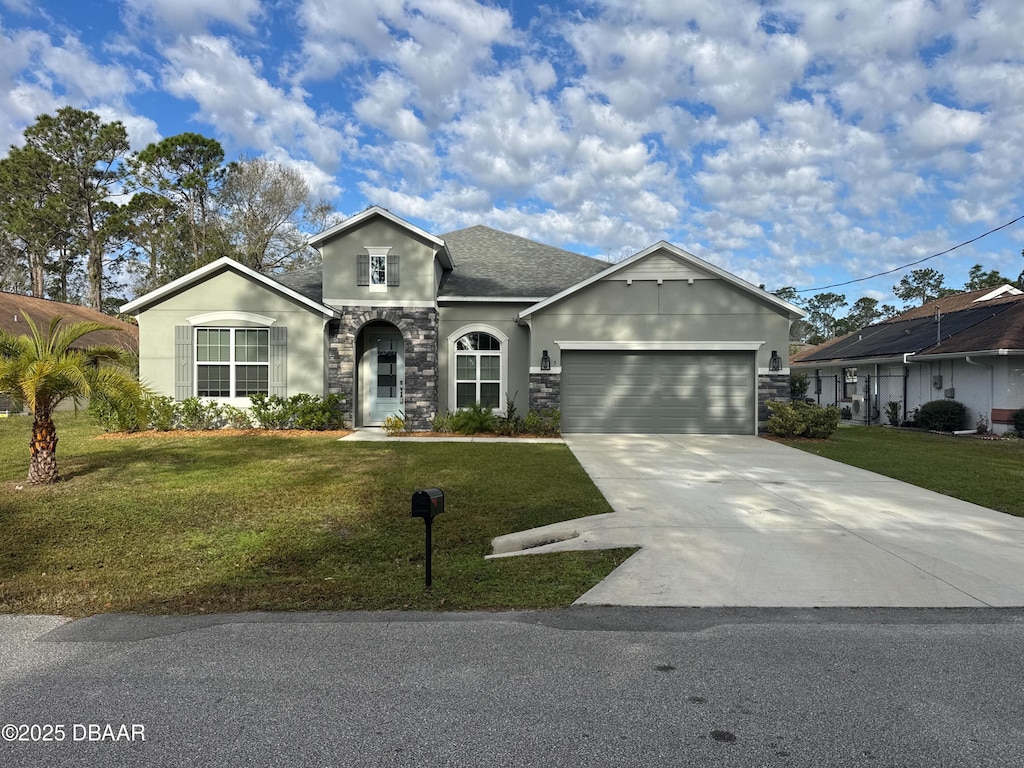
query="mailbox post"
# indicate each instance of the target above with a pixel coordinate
(428, 504)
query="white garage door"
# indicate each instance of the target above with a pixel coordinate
(658, 392)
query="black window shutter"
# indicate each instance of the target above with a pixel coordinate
(392, 269)
(362, 269)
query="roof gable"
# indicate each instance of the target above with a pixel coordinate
(687, 266)
(374, 211)
(216, 267)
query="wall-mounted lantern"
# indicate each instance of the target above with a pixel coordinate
(545, 361)
(775, 363)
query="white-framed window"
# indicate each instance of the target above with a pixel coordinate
(478, 358)
(232, 362)
(378, 270)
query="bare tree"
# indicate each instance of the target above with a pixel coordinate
(268, 213)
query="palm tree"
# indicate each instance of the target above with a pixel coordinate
(42, 370)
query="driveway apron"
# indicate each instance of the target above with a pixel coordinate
(742, 521)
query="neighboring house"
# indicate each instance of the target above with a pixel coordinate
(399, 320)
(14, 307)
(967, 347)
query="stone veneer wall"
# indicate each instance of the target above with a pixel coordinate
(419, 330)
(545, 391)
(770, 386)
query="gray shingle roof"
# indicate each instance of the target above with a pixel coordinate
(489, 263)
(308, 282)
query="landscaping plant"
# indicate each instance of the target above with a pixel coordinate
(44, 368)
(942, 415)
(802, 419)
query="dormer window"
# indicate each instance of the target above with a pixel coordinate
(377, 268)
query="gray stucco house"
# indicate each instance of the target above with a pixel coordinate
(400, 319)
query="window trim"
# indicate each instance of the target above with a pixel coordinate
(383, 254)
(453, 363)
(232, 363)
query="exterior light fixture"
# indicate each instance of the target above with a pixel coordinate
(775, 363)
(545, 361)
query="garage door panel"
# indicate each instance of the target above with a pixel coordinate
(670, 392)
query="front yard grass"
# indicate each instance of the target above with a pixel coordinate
(172, 524)
(985, 472)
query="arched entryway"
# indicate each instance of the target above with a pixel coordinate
(380, 373)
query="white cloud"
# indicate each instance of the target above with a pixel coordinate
(241, 104)
(938, 127)
(191, 16)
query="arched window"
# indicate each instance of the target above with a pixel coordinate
(478, 374)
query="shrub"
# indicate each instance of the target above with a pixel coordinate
(301, 411)
(511, 423)
(394, 424)
(545, 422)
(162, 413)
(197, 415)
(236, 418)
(846, 413)
(892, 412)
(113, 416)
(473, 420)
(442, 423)
(798, 384)
(800, 419)
(1018, 421)
(942, 415)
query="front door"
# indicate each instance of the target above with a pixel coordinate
(385, 358)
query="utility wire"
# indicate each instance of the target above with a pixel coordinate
(913, 263)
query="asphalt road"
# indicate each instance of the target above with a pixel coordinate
(584, 686)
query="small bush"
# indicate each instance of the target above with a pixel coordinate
(393, 425)
(798, 384)
(198, 415)
(1018, 421)
(442, 423)
(511, 423)
(800, 419)
(161, 413)
(301, 411)
(942, 415)
(846, 413)
(113, 416)
(892, 412)
(545, 422)
(474, 420)
(236, 418)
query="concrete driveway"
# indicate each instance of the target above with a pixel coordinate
(742, 521)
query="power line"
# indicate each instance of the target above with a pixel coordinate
(913, 263)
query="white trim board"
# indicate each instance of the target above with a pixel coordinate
(653, 346)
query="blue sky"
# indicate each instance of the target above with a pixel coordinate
(797, 142)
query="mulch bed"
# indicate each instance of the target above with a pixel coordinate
(334, 434)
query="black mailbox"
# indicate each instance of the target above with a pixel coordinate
(428, 503)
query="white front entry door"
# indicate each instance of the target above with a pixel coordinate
(385, 375)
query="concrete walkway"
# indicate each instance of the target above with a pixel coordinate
(742, 521)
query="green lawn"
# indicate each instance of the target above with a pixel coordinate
(985, 472)
(175, 524)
